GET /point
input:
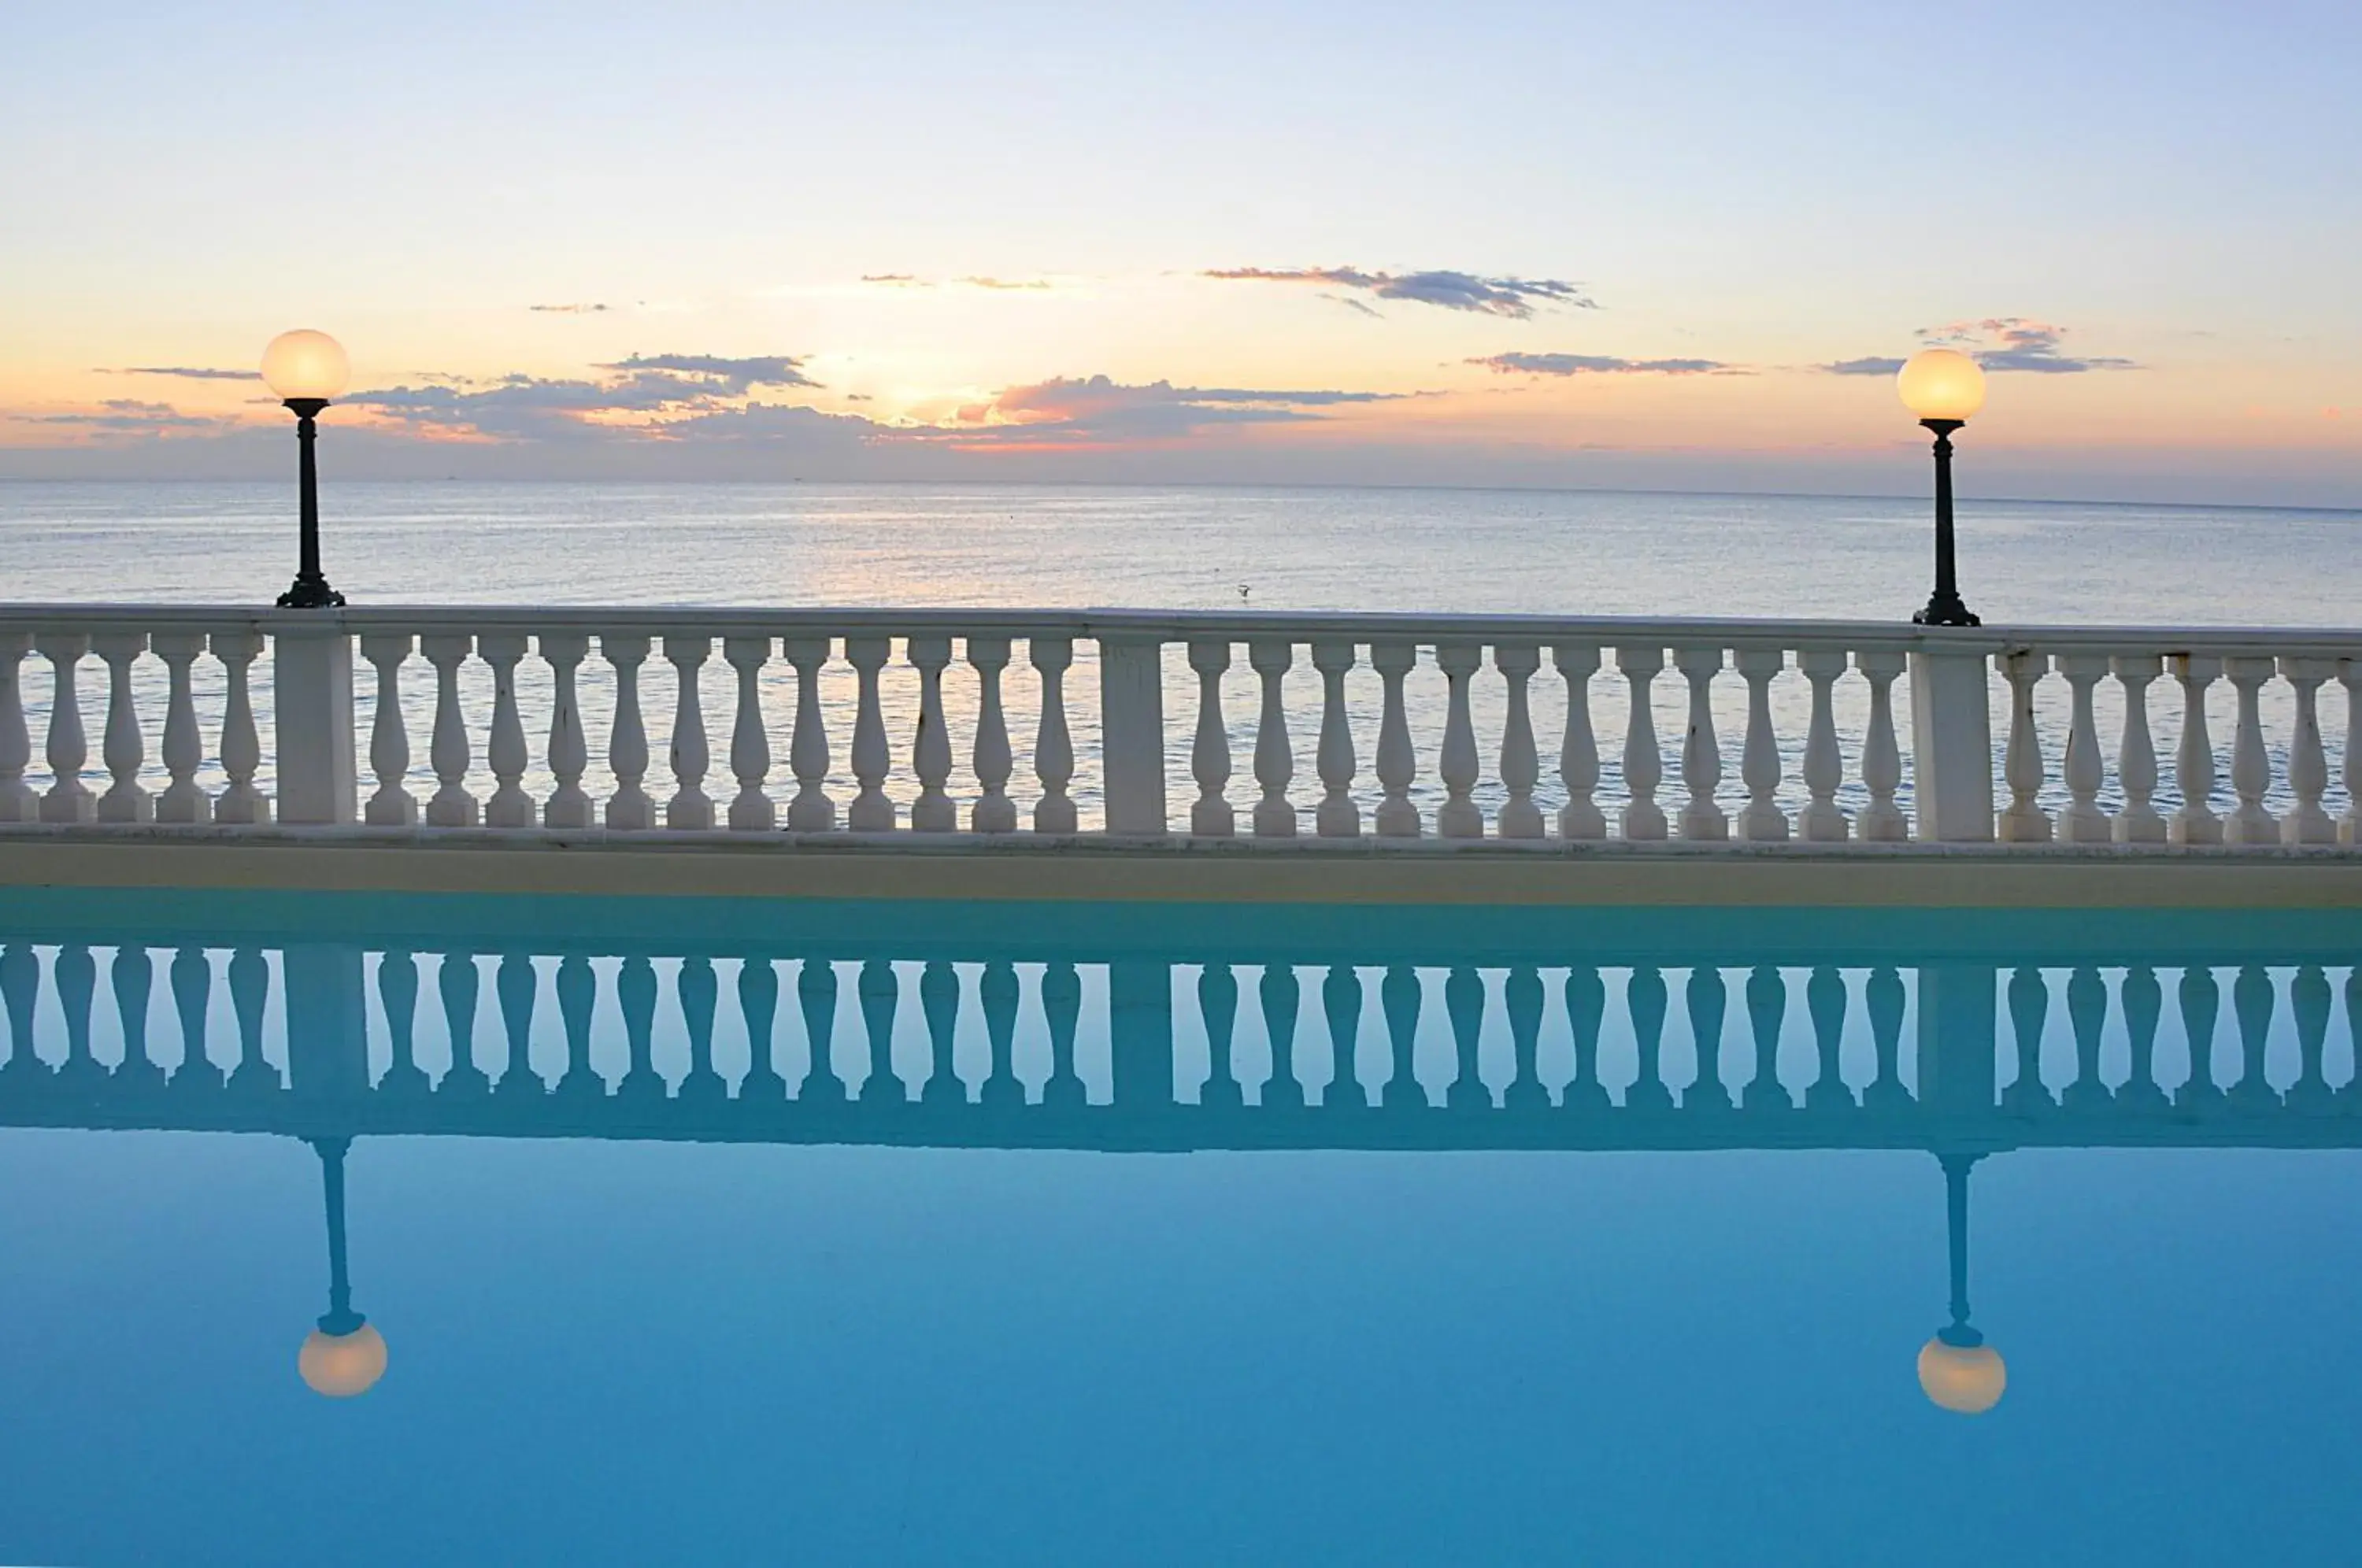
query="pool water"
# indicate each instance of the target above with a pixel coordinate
(739, 1233)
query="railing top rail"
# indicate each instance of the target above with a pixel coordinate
(1176, 625)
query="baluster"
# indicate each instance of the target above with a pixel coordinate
(1521, 998)
(241, 747)
(1340, 1005)
(2136, 756)
(1700, 752)
(2087, 1015)
(76, 974)
(513, 986)
(1062, 1008)
(2251, 1004)
(18, 801)
(193, 984)
(2144, 1002)
(2349, 826)
(1825, 1003)
(2029, 1015)
(871, 812)
(2201, 1006)
(1398, 999)
(249, 994)
(630, 808)
(1767, 1015)
(1644, 998)
(1218, 1008)
(2308, 762)
(1644, 766)
(2023, 822)
(397, 990)
(2194, 822)
(457, 981)
(939, 1003)
(2353, 1085)
(699, 997)
(1459, 816)
(67, 799)
(1209, 754)
(1397, 762)
(1275, 762)
(993, 811)
(1707, 1000)
(1520, 765)
(880, 990)
(132, 976)
(451, 805)
(1337, 816)
(2082, 821)
(690, 809)
(1586, 1005)
(20, 988)
(391, 806)
(816, 997)
(578, 998)
(1578, 752)
(569, 805)
(2251, 768)
(1280, 999)
(811, 811)
(510, 806)
(1882, 998)
(751, 809)
(1823, 821)
(124, 747)
(1464, 1006)
(185, 748)
(997, 990)
(1053, 747)
(1760, 821)
(758, 1007)
(1882, 759)
(2309, 1001)
(635, 991)
(931, 749)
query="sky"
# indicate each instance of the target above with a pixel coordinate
(1667, 246)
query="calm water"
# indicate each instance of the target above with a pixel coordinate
(1562, 552)
(743, 1233)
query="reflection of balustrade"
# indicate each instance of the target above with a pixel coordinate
(1199, 1051)
(880, 692)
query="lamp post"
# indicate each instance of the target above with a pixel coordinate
(1957, 1371)
(306, 368)
(1944, 388)
(345, 1356)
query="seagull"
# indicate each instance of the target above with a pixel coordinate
(1243, 591)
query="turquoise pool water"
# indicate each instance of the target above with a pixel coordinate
(716, 1232)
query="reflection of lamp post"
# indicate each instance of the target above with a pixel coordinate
(1957, 1369)
(306, 368)
(1944, 388)
(345, 1354)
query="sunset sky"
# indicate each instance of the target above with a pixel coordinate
(1659, 246)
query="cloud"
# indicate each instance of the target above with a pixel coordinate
(123, 416)
(1870, 365)
(1512, 297)
(186, 372)
(569, 309)
(1004, 284)
(896, 280)
(1098, 409)
(731, 378)
(642, 393)
(1350, 302)
(1596, 364)
(2015, 343)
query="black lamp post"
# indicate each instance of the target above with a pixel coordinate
(1943, 387)
(345, 1354)
(306, 368)
(1958, 1371)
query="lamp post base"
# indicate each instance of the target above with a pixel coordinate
(1942, 610)
(311, 593)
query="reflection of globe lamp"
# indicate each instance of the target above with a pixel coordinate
(306, 368)
(1957, 1369)
(345, 1354)
(1944, 387)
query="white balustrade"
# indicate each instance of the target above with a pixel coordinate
(2349, 827)
(2284, 766)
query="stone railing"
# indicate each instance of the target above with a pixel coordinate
(1392, 727)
